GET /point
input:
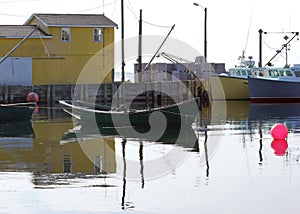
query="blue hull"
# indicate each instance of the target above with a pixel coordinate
(273, 90)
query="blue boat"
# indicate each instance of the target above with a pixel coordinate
(277, 88)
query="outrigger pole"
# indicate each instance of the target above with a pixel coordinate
(19, 44)
(279, 51)
(146, 67)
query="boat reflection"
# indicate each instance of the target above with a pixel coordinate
(269, 114)
(247, 120)
(256, 114)
(15, 136)
(183, 137)
(131, 168)
(35, 147)
(16, 129)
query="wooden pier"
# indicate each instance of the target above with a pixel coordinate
(137, 95)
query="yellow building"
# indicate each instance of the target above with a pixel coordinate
(60, 48)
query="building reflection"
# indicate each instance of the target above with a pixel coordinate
(41, 152)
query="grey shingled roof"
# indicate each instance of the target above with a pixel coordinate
(20, 31)
(94, 20)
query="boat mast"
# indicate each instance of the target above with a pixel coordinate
(260, 48)
(140, 69)
(122, 40)
(205, 34)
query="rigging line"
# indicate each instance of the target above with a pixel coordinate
(114, 9)
(6, 14)
(131, 10)
(18, 1)
(282, 32)
(155, 25)
(103, 7)
(247, 38)
(149, 23)
(97, 7)
(270, 46)
(130, 5)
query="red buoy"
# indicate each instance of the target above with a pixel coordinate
(279, 131)
(279, 146)
(32, 97)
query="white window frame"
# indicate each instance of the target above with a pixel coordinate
(98, 34)
(65, 34)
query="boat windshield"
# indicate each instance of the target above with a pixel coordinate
(297, 73)
(241, 72)
(280, 73)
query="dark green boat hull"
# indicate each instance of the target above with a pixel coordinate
(16, 112)
(174, 115)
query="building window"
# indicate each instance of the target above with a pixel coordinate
(67, 164)
(97, 34)
(65, 34)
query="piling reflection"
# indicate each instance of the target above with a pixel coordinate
(57, 154)
(80, 135)
(250, 120)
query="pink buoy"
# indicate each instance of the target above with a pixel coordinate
(279, 131)
(32, 97)
(279, 146)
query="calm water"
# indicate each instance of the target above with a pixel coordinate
(226, 164)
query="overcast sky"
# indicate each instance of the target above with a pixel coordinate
(232, 24)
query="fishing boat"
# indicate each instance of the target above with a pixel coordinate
(176, 114)
(16, 111)
(284, 87)
(282, 84)
(226, 87)
(233, 85)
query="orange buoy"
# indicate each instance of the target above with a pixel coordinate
(279, 146)
(279, 131)
(32, 97)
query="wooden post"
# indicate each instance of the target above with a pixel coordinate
(6, 94)
(147, 95)
(48, 96)
(179, 92)
(71, 90)
(11, 98)
(112, 84)
(86, 91)
(155, 94)
(53, 95)
(105, 94)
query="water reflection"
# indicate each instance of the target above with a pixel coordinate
(16, 129)
(251, 123)
(229, 143)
